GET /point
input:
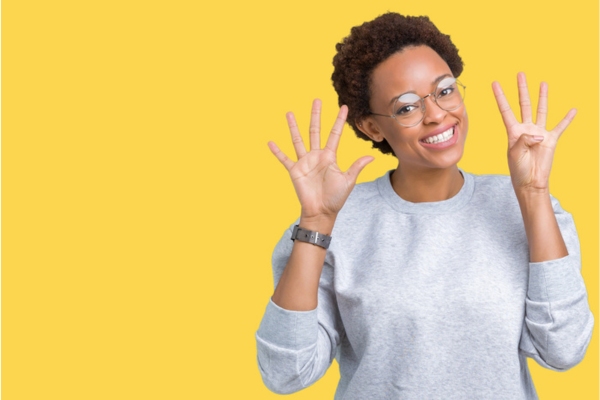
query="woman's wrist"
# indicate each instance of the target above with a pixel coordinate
(532, 197)
(534, 204)
(543, 233)
(321, 223)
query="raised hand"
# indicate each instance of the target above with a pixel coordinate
(530, 146)
(320, 185)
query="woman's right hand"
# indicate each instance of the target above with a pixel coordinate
(320, 185)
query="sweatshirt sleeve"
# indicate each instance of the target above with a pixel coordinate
(558, 321)
(295, 348)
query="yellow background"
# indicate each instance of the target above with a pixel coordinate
(141, 203)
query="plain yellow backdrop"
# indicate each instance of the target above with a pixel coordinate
(141, 203)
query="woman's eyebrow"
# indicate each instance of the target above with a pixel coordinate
(435, 82)
(439, 78)
(400, 95)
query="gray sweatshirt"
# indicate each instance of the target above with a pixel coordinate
(430, 301)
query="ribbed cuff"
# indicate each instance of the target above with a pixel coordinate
(288, 329)
(554, 280)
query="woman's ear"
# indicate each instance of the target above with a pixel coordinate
(370, 128)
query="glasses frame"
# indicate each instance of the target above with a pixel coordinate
(422, 100)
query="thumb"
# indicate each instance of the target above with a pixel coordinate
(528, 140)
(358, 166)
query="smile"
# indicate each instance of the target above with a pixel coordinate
(440, 138)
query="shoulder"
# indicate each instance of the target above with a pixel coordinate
(499, 188)
(494, 183)
(493, 197)
(365, 191)
(492, 188)
(364, 196)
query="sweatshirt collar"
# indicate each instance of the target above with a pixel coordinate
(456, 202)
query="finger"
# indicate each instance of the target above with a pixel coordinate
(287, 163)
(507, 115)
(358, 166)
(542, 109)
(296, 137)
(315, 125)
(529, 140)
(522, 145)
(336, 132)
(562, 125)
(524, 100)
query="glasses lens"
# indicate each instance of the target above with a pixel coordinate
(449, 94)
(407, 109)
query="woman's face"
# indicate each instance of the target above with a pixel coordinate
(416, 70)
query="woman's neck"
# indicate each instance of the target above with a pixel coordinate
(427, 185)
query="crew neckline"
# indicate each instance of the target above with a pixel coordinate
(460, 199)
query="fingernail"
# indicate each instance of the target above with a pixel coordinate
(537, 138)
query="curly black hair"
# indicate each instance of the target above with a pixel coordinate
(371, 43)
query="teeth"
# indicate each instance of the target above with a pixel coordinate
(439, 138)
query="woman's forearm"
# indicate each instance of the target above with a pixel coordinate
(543, 234)
(298, 286)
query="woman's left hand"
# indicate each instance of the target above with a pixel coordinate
(530, 146)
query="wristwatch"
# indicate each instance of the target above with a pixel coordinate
(316, 238)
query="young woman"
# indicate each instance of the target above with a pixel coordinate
(429, 282)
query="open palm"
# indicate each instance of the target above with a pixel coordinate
(320, 185)
(530, 146)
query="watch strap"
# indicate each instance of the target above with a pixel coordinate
(316, 238)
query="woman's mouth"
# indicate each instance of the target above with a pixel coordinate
(440, 137)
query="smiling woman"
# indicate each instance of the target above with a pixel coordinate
(428, 282)
(432, 138)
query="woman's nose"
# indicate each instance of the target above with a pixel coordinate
(433, 112)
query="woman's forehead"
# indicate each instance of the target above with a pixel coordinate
(414, 69)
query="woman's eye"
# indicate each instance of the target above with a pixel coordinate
(446, 91)
(408, 108)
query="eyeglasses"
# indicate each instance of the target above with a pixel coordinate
(409, 108)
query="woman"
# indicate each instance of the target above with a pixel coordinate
(437, 283)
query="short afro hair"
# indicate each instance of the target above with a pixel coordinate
(371, 43)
